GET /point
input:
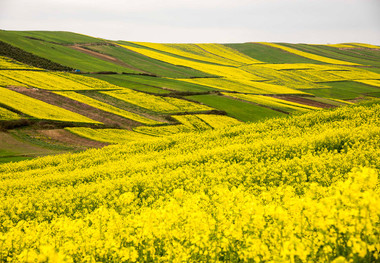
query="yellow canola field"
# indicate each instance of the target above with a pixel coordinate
(39, 109)
(217, 70)
(341, 45)
(105, 107)
(213, 53)
(228, 53)
(193, 122)
(297, 189)
(372, 82)
(157, 103)
(113, 136)
(8, 63)
(218, 121)
(356, 74)
(7, 115)
(244, 86)
(364, 45)
(309, 55)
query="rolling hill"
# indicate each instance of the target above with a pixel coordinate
(63, 91)
(246, 152)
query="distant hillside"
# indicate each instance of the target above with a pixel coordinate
(119, 91)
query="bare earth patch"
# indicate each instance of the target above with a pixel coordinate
(93, 113)
(303, 100)
(71, 139)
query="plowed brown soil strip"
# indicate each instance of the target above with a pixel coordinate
(93, 113)
(69, 138)
(302, 100)
(105, 57)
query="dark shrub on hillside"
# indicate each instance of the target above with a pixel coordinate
(29, 58)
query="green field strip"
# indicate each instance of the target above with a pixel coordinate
(275, 103)
(63, 55)
(170, 50)
(61, 37)
(157, 84)
(147, 64)
(324, 59)
(243, 111)
(343, 90)
(39, 109)
(268, 54)
(125, 82)
(363, 57)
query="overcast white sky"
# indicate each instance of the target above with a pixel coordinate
(182, 21)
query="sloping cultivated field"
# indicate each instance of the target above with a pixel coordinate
(299, 189)
(186, 178)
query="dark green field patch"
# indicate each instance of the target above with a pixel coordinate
(360, 56)
(63, 55)
(343, 90)
(243, 111)
(148, 64)
(163, 83)
(122, 81)
(269, 54)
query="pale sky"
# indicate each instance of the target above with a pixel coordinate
(204, 21)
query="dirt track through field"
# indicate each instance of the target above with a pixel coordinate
(93, 113)
(106, 58)
(302, 100)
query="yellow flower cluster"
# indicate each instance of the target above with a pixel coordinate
(356, 74)
(6, 115)
(372, 82)
(105, 107)
(156, 103)
(281, 190)
(39, 109)
(112, 136)
(218, 121)
(8, 63)
(211, 53)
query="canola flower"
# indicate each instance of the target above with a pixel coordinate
(6, 115)
(8, 63)
(112, 136)
(106, 107)
(297, 189)
(39, 109)
(156, 103)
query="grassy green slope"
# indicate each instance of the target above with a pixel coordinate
(61, 54)
(240, 110)
(147, 64)
(344, 90)
(62, 37)
(242, 193)
(152, 84)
